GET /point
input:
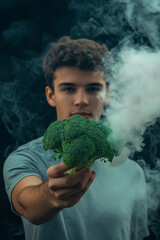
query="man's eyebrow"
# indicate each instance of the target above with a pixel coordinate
(95, 84)
(66, 84)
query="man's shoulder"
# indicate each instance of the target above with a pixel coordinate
(132, 164)
(30, 150)
(35, 143)
(133, 169)
(29, 158)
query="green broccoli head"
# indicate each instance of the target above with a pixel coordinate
(78, 141)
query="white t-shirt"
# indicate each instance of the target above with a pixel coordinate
(113, 208)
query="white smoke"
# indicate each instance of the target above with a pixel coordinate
(135, 102)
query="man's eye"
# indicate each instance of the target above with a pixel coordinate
(69, 89)
(92, 89)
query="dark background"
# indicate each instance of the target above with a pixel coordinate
(26, 29)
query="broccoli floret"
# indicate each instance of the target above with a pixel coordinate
(78, 141)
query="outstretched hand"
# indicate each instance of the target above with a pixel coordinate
(68, 189)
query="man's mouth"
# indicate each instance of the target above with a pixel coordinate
(83, 114)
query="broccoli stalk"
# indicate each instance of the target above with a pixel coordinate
(78, 141)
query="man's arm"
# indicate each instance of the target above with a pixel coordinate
(40, 202)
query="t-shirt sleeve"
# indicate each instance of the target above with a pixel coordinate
(18, 165)
(139, 223)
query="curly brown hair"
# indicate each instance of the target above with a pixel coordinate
(82, 53)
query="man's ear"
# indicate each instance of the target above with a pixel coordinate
(109, 94)
(105, 103)
(50, 96)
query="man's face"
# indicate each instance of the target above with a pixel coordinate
(79, 92)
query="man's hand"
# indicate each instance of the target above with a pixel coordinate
(67, 190)
(41, 201)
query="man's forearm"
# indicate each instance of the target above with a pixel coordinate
(37, 203)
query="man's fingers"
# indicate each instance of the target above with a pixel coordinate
(77, 191)
(89, 182)
(73, 199)
(57, 170)
(67, 181)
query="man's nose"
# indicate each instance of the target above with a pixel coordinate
(81, 99)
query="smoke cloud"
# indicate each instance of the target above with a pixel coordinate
(143, 16)
(134, 105)
(112, 21)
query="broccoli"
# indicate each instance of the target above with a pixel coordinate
(78, 141)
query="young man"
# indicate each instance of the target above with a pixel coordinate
(53, 205)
